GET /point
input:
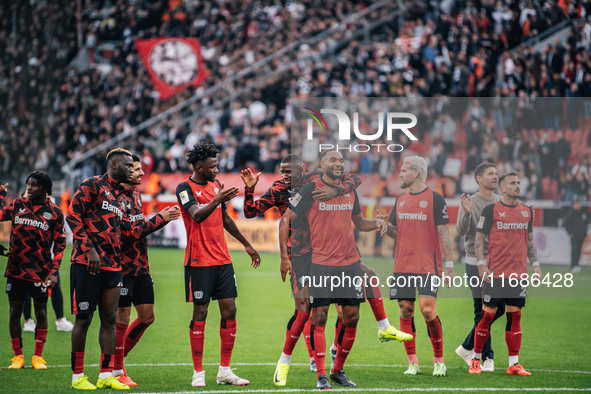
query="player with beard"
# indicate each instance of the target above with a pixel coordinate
(209, 273)
(508, 224)
(37, 231)
(138, 286)
(334, 253)
(419, 222)
(98, 220)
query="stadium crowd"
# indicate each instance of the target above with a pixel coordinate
(51, 113)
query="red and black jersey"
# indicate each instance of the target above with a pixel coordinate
(36, 232)
(95, 216)
(331, 233)
(206, 242)
(134, 250)
(276, 196)
(508, 229)
(418, 247)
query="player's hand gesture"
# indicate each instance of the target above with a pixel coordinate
(170, 213)
(466, 202)
(50, 281)
(94, 261)
(285, 268)
(254, 256)
(4, 187)
(380, 215)
(325, 193)
(484, 273)
(225, 195)
(382, 226)
(249, 179)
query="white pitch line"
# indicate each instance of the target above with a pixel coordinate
(411, 389)
(307, 365)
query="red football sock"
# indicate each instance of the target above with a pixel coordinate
(345, 345)
(377, 306)
(105, 361)
(319, 346)
(408, 325)
(482, 331)
(436, 334)
(307, 338)
(513, 333)
(294, 330)
(338, 326)
(228, 337)
(373, 291)
(134, 332)
(196, 336)
(40, 336)
(17, 346)
(119, 346)
(77, 362)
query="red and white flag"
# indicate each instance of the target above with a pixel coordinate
(173, 63)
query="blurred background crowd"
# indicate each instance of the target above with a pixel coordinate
(71, 79)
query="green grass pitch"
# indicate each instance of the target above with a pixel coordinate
(555, 348)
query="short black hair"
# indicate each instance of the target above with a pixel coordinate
(512, 173)
(43, 180)
(115, 153)
(482, 167)
(292, 159)
(202, 151)
(136, 159)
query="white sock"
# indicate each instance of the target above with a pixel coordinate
(76, 376)
(195, 372)
(383, 324)
(105, 375)
(224, 369)
(117, 372)
(285, 359)
(513, 360)
(477, 356)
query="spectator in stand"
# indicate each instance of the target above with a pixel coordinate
(575, 222)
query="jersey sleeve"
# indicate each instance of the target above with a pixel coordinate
(184, 195)
(530, 225)
(440, 215)
(486, 219)
(7, 212)
(81, 202)
(142, 228)
(59, 243)
(356, 205)
(350, 182)
(268, 200)
(303, 199)
(392, 217)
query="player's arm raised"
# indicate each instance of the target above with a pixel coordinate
(231, 227)
(284, 227)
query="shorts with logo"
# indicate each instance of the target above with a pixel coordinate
(500, 292)
(404, 286)
(203, 284)
(86, 290)
(300, 269)
(137, 290)
(17, 289)
(342, 285)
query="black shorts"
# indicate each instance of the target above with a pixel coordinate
(137, 290)
(501, 293)
(336, 284)
(17, 289)
(403, 287)
(300, 273)
(203, 284)
(86, 290)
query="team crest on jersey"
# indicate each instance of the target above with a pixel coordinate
(47, 215)
(296, 200)
(197, 295)
(480, 223)
(525, 214)
(401, 203)
(502, 214)
(423, 204)
(198, 193)
(184, 197)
